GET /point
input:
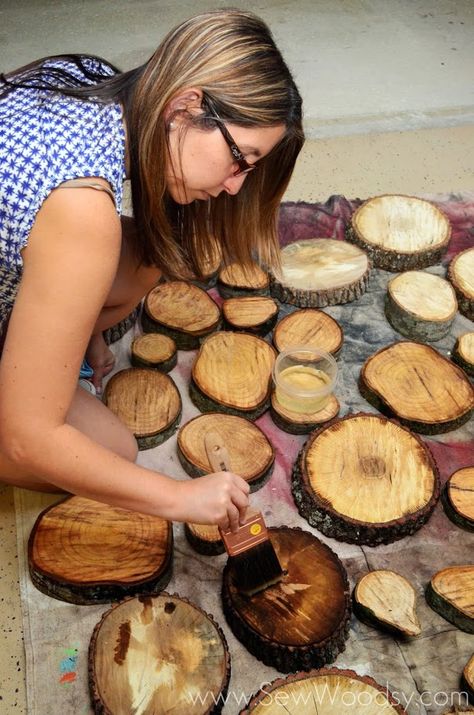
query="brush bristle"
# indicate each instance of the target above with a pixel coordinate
(256, 569)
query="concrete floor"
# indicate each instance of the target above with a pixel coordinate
(389, 107)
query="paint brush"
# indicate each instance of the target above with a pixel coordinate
(252, 557)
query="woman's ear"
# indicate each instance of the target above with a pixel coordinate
(186, 100)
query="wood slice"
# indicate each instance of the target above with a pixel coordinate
(458, 498)
(422, 389)
(235, 280)
(158, 655)
(232, 374)
(366, 480)
(461, 275)
(111, 335)
(309, 327)
(386, 600)
(400, 233)
(154, 350)
(302, 423)
(181, 310)
(253, 314)
(463, 353)
(250, 453)
(320, 272)
(420, 305)
(205, 539)
(147, 401)
(467, 679)
(328, 691)
(302, 622)
(451, 594)
(85, 552)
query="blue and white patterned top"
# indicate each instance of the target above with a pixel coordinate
(46, 139)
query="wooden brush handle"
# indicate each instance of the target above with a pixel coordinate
(216, 451)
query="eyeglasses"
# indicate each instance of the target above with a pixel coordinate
(242, 163)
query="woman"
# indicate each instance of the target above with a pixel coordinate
(207, 131)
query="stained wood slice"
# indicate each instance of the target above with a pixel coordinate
(416, 384)
(147, 401)
(451, 594)
(181, 310)
(154, 350)
(85, 552)
(400, 233)
(205, 539)
(236, 280)
(467, 679)
(463, 353)
(232, 374)
(309, 327)
(458, 498)
(366, 480)
(250, 453)
(253, 314)
(461, 275)
(320, 272)
(386, 600)
(328, 691)
(302, 422)
(302, 622)
(420, 305)
(158, 654)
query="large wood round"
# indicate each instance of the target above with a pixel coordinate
(451, 594)
(461, 275)
(181, 310)
(463, 352)
(416, 384)
(232, 374)
(82, 551)
(237, 280)
(301, 622)
(154, 350)
(320, 272)
(254, 314)
(250, 453)
(328, 691)
(309, 327)
(156, 655)
(147, 401)
(400, 233)
(366, 480)
(386, 600)
(458, 498)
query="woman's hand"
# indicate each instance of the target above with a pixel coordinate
(100, 358)
(220, 498)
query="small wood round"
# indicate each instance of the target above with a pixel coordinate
(301, 622)
(181, 310)
(386, 600)
(154, 350)
(236, 280)
(320, 272)
(111, 335)
(458, 498)
(400, 233)
(147, 401)
(250, 453)
(420, 305)
(463, 353)
(158, 654)
(232, 374)
(204, 539)
(328, 691)
(302, 423)
(461, 275)
(416, 384)
(309, 327)
(467, 679)
(84, 552)
(366, 480)
(254, 314)
(451, 594)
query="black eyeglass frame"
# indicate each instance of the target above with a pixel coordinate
(237, 155)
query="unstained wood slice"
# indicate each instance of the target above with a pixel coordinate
(85, 552)
(302, 422)
(461, 275)
(416, 384)
(451, 594)
(463, 352)
(232, 374)
(204, 538)
(320, 272)
(327, 691)
(387, 600)
(309, 327)
(421, 305)
(366, 480)
(237, 280)
(253, 314)
(147, 401)
(156, 655)
(467, 678)
(400, 233)
(250, 453)
(301, 622)
(154, 350)
(181, 310)
(458, 498)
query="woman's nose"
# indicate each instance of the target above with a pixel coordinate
(234, 183)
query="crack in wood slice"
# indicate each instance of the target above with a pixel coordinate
(82, 551)
(451, 594)
(385, 599)
(461, 275)
(158, 654)
(154, 350)
(463, 353)
(238, 280)
(418, 386)
(400, 233)
(365, 480)
(458, 498)
(320, 272)
(309, 327)
(254, 314)
(302, 423)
